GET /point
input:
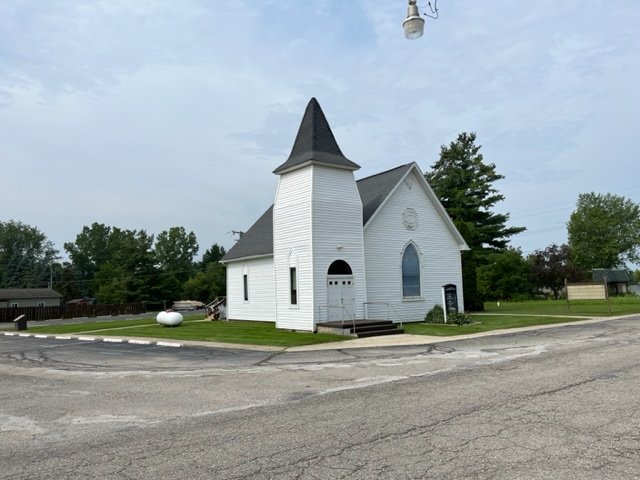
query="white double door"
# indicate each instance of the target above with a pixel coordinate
(340, 298)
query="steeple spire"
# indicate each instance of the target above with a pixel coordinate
(315, 143)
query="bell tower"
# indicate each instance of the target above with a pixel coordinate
(317, 221)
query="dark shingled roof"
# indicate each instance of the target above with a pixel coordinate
(14, 293)
(612, 276)
(373, 190)
(315, 142)
(258, 240)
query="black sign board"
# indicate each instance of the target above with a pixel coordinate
(451, 297)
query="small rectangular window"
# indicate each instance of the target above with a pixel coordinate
(14, 305)
(293, 285)
(245, 284)
(40, 304)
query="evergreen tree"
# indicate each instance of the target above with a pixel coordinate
(464, 185)
(213, 254)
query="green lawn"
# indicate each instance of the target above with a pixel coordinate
(507, 315)
(251, 333)
(91, 326)
(590, 308)
(525, 314)
(482, 323)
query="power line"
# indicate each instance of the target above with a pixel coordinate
(554, 208)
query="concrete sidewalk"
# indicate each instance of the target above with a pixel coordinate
(407, 339)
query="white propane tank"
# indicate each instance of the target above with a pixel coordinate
(169, 318)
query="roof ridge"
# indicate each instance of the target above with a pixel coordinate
(385, 172)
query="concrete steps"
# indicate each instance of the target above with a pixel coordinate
(360, 328)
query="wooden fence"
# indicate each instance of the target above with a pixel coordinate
(8, 314)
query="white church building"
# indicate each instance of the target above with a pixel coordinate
(331, 248)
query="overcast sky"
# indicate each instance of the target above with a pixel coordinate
(148, 114)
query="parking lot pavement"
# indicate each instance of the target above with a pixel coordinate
(370, 342)
(91, 353)
(553, 403)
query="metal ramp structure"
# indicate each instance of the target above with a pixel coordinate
(216, 310)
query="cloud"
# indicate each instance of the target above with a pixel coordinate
(151, 114)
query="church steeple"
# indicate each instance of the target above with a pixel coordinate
(315, 143)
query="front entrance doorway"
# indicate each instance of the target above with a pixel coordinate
(340, 292)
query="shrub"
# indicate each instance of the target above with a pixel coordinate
(435, 315)
(459, 318)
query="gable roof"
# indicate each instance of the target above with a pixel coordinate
(15, 293)
(374, 190)
(405, 171)
(315, 143)
(255, 242)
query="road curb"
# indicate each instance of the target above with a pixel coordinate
(83, 338)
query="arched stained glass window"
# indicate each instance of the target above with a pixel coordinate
(410, 272)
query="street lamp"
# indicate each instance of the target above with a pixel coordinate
(414, 24)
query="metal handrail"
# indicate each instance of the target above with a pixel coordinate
(397, 314)
(387, 304)
(343, 309)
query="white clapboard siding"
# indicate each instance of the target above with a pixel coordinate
(292, 247)
(261, 305)
(385, 239)
(337, 233)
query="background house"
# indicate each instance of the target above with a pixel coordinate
(617, 280)
(29, 297)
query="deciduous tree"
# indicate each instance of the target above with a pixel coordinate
(604, 231)
(115, 264)
(551, 266)
(88, 252)
(26, 256)
(175, 251)
(506, 276)
(207, 284)
(65, 281)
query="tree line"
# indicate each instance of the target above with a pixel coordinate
(112, 265)
(116, 265)
(603, 232)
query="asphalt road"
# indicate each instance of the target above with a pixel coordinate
(558, 403)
